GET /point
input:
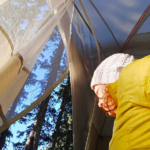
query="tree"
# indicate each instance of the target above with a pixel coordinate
(63, 120)
(60, 136)
(53, 68)
(6, 135)
(33, 139)
(48, 65)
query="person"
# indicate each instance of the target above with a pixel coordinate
(122, 86)
(108, 72)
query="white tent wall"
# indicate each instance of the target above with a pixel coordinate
(2, 2)
(49, 81)
(5, 43)
(14, 88)
(27, 47)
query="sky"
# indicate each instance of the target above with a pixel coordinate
(34, 91)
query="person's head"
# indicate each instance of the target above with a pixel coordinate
(108, 72)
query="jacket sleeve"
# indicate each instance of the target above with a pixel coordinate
(112, 88)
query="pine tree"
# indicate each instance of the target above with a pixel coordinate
(62, 137)
(42, 108)
(33, 140)
(54, 41)
(5, 136)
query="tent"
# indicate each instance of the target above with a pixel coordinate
(91, 30)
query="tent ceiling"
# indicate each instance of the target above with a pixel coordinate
(113, 21)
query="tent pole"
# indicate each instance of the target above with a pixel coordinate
(89, 22)
(88, 27)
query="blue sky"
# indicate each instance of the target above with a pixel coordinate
(36, 89)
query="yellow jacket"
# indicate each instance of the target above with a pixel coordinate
(131, 93)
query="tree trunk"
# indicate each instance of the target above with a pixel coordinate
(3, 138)
(67, 144)
(33, 139)
(57, 127)
(56, 131)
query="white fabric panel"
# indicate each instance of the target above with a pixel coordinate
(21, 20)
(29, 65)
(45, 73)
(28, 50)
(2, 1)
(7, 99)
(55, 4)
(5, 49)
(87, 49)
(65, 27)
(8, 96)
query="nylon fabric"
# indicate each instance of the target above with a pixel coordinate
(5, 47)
(14, 88)
(28, 24)
(65, 27)
(120, 26)
(30, 48)
(53, 52)
(55, 4)
(2, 2)
(97, 46)
(9, 71)
(31, 52)
(82, 96)
(37, 102)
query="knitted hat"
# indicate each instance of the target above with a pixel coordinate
(109, 69)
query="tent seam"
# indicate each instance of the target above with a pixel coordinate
(7, 37)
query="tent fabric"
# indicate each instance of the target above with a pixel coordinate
(113, 21)
(3, 118)
(28, 24)
(55, 4)
(5, 43)
(9, 71)
(83, 56)
(94, 138)
(81, 97)
(120, 26)
(13, 89)
(2, 2)
(33, 105)
(39, 32)
(97, 46)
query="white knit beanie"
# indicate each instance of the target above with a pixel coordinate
(109, 69)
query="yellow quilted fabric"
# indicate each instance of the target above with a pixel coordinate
(131, 129)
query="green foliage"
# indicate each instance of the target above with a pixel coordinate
(65, 136)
